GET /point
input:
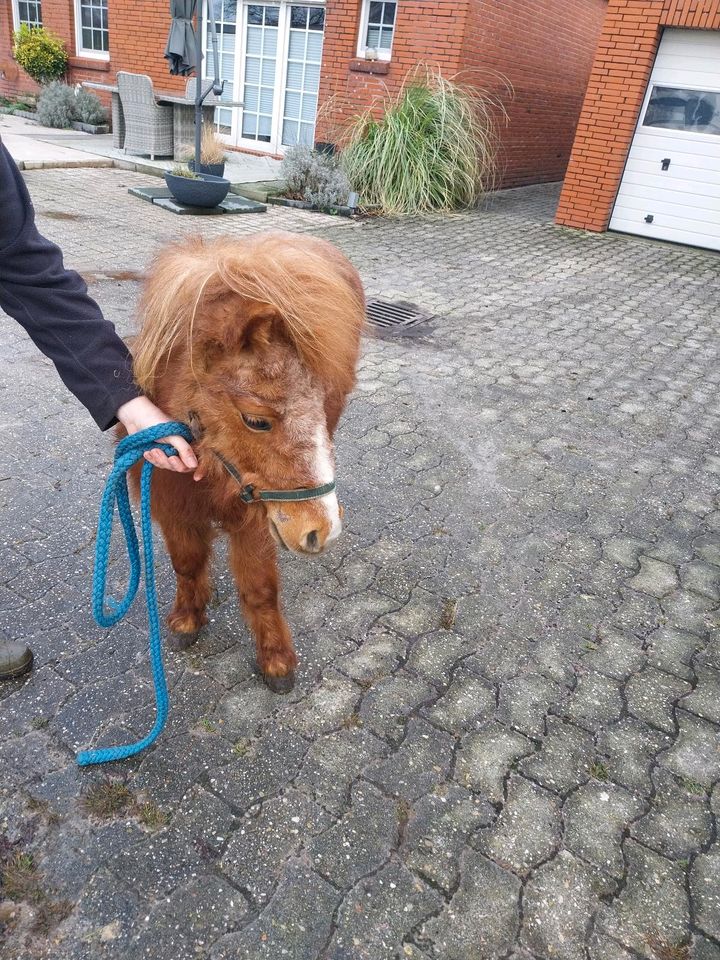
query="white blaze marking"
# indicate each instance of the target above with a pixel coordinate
(325, 473)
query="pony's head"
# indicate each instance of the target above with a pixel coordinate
(255, 341)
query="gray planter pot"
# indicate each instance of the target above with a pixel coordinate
(214, 169)
(206, 191)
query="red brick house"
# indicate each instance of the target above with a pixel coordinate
(285, 60)
(646, 158)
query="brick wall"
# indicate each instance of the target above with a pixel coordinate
(425, 30)
(545, 50)
(615, 93)
(138, 32)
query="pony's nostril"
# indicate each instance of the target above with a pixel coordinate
(311, 540)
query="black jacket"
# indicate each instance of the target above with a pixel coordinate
(53, 305)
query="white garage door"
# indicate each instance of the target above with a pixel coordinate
(671, 186)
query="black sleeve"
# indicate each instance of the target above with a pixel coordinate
(53, 305)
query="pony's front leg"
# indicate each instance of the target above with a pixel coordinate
(189, 550)
(254, 566)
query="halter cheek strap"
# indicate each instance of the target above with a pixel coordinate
(248, 493)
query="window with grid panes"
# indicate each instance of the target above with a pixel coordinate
(28, 12)
(377, 27)
(92, 26)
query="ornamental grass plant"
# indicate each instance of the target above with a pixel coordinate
(434, 146)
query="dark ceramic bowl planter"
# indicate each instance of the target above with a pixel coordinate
(205, 191)
(214, 169)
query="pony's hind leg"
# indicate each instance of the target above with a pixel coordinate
(189, 549)
(254, 566)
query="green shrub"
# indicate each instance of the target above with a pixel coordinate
(56, 106)
(40, 53)
(316, 177)
(433, 148)
(88, 108)
(180, 170)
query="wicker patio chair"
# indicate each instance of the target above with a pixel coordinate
(148, 126)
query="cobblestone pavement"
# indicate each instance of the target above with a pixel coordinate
(504, 740)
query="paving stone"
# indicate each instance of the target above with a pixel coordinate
(421, 614)
(678, 822)
(485, 758)
(265, 838)
(703, 949)
(358, 843)
(701, 578)
(466, 703)
(379, 913)
(689, 611)
(528, 829)
(652, 695)
(656, 578)
(705, 891)
(602, 947)
(422, 760)
(653, 903)
(616, 653)
(264, 768)
(564, 759)
(437, 831)
(559, 901)
(334, 761)
(295, 923)
(596, 818)
(525, 701)
(328, 706)
(483, 916)
(595, 701)
(434, 655)
(672, 650)
(387, 705)
(696, 754)
(190, 921)
(705, 698)
(34, 704)
(631, 748)
(377, 656)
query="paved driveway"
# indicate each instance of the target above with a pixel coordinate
(505, 737)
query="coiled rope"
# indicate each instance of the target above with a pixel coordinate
(108, 612)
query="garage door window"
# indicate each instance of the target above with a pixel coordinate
(693, 111)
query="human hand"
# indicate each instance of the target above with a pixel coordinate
(141, 413)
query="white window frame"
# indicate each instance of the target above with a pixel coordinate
(16, 16)
(362, 47)
(80, 50)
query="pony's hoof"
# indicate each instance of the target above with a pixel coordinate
(281, 685)
(181, 641)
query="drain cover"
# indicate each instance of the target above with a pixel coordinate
(397, 316)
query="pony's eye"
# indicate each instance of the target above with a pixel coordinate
(256, 423)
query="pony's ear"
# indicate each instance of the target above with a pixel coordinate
(258, 332)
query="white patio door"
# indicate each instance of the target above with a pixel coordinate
(274, 70)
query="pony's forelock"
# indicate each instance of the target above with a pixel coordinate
(312, 289)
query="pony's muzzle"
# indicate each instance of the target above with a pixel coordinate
(308, 528)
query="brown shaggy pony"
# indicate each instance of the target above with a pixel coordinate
(254, 342)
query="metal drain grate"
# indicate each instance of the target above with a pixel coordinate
(395, 315)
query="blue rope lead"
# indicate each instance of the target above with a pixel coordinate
(128, 452)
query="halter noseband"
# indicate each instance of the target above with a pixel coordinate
(248, 493)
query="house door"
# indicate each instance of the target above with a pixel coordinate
(274, 69)
(671, 185)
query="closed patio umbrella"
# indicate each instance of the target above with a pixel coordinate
(180, 49)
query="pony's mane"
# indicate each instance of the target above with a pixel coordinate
(308, 284)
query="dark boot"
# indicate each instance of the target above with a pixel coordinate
(15, 659)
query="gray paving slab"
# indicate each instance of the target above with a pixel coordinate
(504, 741)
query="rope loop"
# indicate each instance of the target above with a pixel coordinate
(106, 610)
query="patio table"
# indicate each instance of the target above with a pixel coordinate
(183, 116)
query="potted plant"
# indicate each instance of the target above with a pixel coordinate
(212, 153)
(196, 189)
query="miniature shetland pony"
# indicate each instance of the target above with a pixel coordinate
(254, 343)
